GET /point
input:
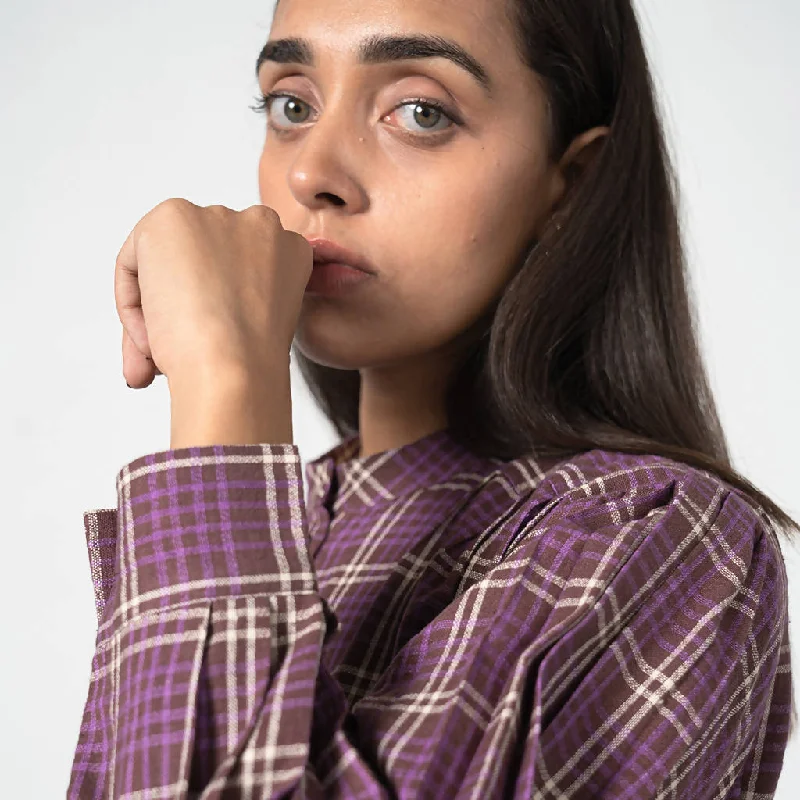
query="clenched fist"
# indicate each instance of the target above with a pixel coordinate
(201, 289)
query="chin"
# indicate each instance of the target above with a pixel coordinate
(340, 336)
(328, 351)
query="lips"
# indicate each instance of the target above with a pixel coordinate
(327, 251)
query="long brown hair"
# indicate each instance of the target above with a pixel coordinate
(593, 343)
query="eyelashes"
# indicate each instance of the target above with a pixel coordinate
(264, 104)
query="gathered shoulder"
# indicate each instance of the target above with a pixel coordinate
(606, 477)
(606, 472)
(623, 499)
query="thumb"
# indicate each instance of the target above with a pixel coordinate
(138, 371)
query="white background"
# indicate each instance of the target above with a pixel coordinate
(107, 108)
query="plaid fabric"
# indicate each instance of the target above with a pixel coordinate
(430, 624)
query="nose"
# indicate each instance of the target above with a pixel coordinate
(328, 162)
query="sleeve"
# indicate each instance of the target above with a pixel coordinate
(674, 679)
(616, 648)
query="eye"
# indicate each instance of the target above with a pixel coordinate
(265, 101)
(422, 111)
(427, 113)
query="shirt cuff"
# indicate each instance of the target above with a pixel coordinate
(203, 523)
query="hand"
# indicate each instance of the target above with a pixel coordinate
(208, 291)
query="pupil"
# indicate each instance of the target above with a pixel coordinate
(293, 106)
(425, 112)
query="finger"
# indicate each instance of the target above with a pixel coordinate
(138, 371)
(127, 293)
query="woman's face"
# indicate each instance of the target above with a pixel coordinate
(443, 207)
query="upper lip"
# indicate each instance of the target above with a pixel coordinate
(325, 250)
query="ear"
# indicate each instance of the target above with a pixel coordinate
(583, 149)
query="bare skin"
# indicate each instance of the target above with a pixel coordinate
(444, 211)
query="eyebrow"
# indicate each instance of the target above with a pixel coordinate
(378, 49)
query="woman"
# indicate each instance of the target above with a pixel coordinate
(529, 568)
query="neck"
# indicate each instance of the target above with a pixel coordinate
(405, 400)
(402, 403)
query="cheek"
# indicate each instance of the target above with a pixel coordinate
(265, 179)
(273, 188)
(467, 247)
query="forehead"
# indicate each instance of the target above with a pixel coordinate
(481, 25)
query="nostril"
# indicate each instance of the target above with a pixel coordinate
(336, 199)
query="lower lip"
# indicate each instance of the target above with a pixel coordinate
(334, 279)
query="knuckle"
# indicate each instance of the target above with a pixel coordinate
(176, 202)
(264, 212)
(173, 205)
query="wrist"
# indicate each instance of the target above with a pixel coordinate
(232, 405)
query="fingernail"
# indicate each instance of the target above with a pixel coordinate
(128, 385)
